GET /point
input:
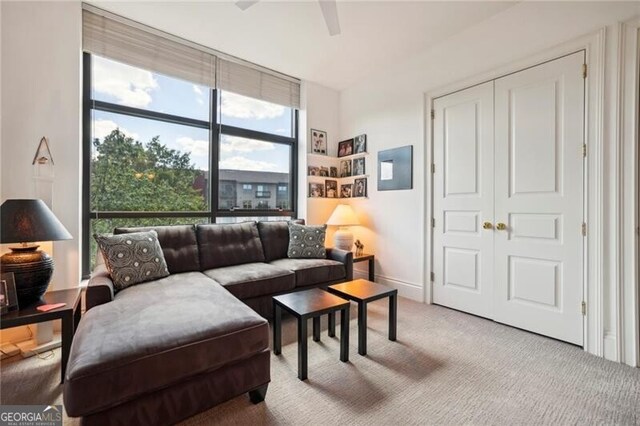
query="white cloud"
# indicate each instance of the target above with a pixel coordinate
(196, 147)
(242, 163)
(129, 85)
(234, 143)
(243, 107)
(197, 90)
(102, 128)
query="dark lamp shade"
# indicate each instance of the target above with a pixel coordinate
(23, 221)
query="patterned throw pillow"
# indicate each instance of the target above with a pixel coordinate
(132, 258)
(307, 242)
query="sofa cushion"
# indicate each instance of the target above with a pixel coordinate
(229, 244)
(312, 271)
(156, 334)
(179, 245)
(253, 279)
(275, 238)
(132, 258)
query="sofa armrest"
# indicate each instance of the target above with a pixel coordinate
(100, 288)
(342, 256)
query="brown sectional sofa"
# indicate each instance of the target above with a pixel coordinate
(162, 351)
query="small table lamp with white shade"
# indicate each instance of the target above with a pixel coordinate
(343, 216)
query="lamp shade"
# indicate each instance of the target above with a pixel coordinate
(28, 221)
(343, 215)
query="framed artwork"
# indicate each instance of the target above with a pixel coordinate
(358, 166)
(316, 190)
(345, 190)
(324, 171)
(360, 144)
(318, 142)
(345, 168)
(395, 169)
(313, 171)
(360, 187)
(333, 172)
(345, 148)
(8, 295)
(331, 188)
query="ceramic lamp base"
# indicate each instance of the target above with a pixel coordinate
(343, 239)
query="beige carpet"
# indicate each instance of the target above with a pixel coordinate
(446, 368)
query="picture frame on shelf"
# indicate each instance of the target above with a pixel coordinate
(8, 294)
(331, 188)
(345, 168)
(313, 171)
(360, 188)
(318, 142)
(345, 148)
(333, 172)
(346, 190)
(360, 144)
(324, 172)
(316, 190)
(358, 166)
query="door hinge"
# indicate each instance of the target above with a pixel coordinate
(433, 222)
(584, 229)
(584, 308)
(584, 149)
(433, 277)
(433, 114)
(584, 70)
(433, 168)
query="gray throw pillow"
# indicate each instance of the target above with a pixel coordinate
(132, 258)
(307, 242)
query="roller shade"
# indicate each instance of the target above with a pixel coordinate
(123, 40)
(248, 81)
(131, 45)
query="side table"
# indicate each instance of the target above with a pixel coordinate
(372, 264)
(69, 314)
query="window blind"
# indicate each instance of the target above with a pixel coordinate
(122, 40)
(245, 80)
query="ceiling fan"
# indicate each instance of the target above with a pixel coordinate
(328, 7)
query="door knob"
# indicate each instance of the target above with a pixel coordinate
(501, 226)
(487, 225)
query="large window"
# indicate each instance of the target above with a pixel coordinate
(159, 150)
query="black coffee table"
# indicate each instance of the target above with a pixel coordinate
(362, 292)
(310, 304)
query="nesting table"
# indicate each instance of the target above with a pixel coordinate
(362, 292)
(310, 304)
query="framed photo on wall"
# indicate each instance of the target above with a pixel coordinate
(345, 148)
(345, 168)
(331, 188)
(316, 190)
(333, 172)
(360, 144)
(358, 166)
(318, 142)
(360, 187)
(346, 190)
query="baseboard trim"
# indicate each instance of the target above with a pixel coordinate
(405, 289)
(610, 347)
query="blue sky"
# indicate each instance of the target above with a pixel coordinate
(126, 85)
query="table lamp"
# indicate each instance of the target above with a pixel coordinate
(25, 222)
(343, 216)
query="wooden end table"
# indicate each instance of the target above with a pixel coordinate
(69, 314)
(362, 292)
(310, 304)
(372, 263)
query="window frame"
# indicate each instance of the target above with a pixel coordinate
(215, 128)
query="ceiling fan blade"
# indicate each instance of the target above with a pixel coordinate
(246, 4)
(330, 13)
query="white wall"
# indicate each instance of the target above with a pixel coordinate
(320, 112)
(41, 96)
(390, 109)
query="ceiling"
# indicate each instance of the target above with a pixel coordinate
(291, 37)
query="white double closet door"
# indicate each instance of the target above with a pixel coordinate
(508, 199)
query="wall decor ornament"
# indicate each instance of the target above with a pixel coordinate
(395, 169)
(318, 142)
